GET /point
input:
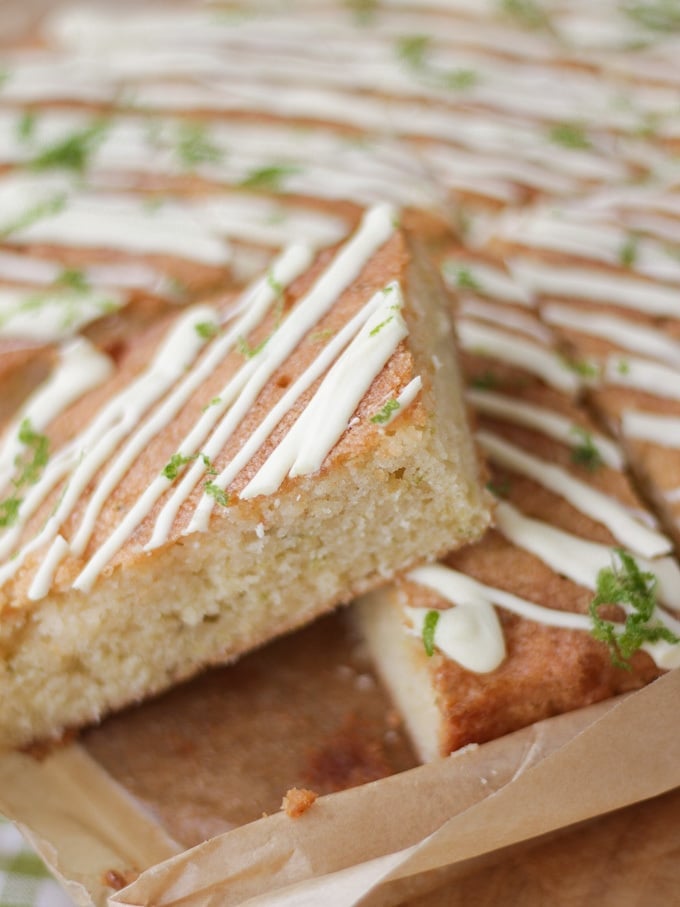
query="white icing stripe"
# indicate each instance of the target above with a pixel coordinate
(470, 633)
(22, 268)
(663, 430)
(642, 375)
(239, 395)
(326, 417)
(614, 289)
(589, 501)
(113, 222)
(630, 335)
(254, 303)
(472, 307)
(491, 281)
(318, 367)
(586, 239)
(44, 575)
(80, 368)
(407, 397)
(577, 559)
(375, 230)
(456, 587)
(113, 423)
(513, 350)
(47, 316)
(546, 421)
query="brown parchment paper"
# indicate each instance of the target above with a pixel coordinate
(553, 774)
(80, 821)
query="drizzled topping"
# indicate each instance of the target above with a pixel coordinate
(104, 450)
(593, 503)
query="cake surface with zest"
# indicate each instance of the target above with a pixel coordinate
(191, 497)
(503, 633)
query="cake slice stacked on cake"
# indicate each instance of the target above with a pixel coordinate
(240, 469)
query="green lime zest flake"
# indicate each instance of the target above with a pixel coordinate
(378, 328)
(216, 492)
(386, 412)
(464, 277)
(321, 336)
(73, 152)
(194, 145)
(9, 511)
(207, 329)
(274, 284)
(30, 464)
(582, 367)
(459, 79)
(429, 629)
(73, 279)
(484, 381)
(569, 135)
(656, 15)
(363, 10)
(527, 13)
(269, 179)
(585, 452)
(501, 488)
(625, 584)
(26, 125)
(38, 447)
(413, 50)
(214, 402)
(245, 349)
(46, 208)
(623, 367)
(178, 461)
(629, 251)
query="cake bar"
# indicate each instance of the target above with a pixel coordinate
(240, 469)
(498, 635)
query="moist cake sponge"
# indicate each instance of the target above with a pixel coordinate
(241, 469)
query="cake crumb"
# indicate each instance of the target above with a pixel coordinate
(297, 801)
(117, 879)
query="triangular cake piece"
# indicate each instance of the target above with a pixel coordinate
(242, 468)
(500, 634)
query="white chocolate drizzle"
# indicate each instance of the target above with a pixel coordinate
(99, 440)
(643, 375)
(593, 503)
(235, 399)
(483, 648)
(546, 421)
(638, 338)
(594, 285)
(326, 417)
(514, 350)
(576, 558)
(51, 315)
(657, 428)
(109, 222)
(80, 368)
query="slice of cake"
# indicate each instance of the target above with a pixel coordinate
(240, 469)
(501, 633)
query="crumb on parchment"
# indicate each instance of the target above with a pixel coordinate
(297, 801)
